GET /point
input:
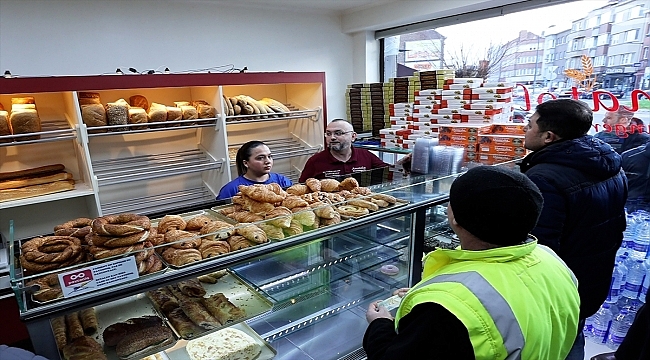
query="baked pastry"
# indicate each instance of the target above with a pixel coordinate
(260, 193)
(48, 289)
(361, 190)
(352, 211)
(93, 115)
(387, 198)
(334, 220)
(180, 257)
(294, 228)
(83, 348)
(197, 222)
(329, 185)
(171, 222)
(58, 329)
(114, 333)
(32, 172)
(304, 215)
(323, 210)
(23, 122)
(217, 230)
(280, 217)
(380, 203)
(348, 184)
(182, 324)
(245, 216)
(78, 228)
(272, 232)
(390, 270)
(34, 180)
(363, 203)
(117, 114)
(88, 319)
(88, 98)
(141, 341)
(138, 115)
(181, 239)
(178, 104)
(195, 310)
(73, 324)
(225, 344)
(252, 233)
(139, 101)
(189, 112)
(313, 184)
(257, 207)
(212, 248)
(294, 201)
(213, 277)
(163, 299)
(221, 308)
(191, 287)
(120, 225)
(238, 242)
(298, 189)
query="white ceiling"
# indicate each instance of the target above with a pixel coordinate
(306, 6)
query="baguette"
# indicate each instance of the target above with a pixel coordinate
(37, 171)
(29, 181)
(36, 190)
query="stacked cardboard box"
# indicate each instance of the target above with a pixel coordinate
(365, 107)
(432, 79)
(500, 143)
(462, 135)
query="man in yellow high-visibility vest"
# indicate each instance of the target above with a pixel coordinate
(499, 296)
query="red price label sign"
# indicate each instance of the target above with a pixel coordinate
(77, 278)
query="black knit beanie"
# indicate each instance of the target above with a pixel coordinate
(495, 204)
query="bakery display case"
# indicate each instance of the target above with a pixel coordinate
(119, 164)
(297, 293)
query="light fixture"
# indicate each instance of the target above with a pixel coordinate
(133, 70)
(119, 71)
(166, 70)
(7, 74)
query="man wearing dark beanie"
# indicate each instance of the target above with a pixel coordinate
(499, 296)
(584, 191)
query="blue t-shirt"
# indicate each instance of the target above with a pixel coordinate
(230, 189)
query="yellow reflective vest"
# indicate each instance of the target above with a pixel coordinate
(517, 302)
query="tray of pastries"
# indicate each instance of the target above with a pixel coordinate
(208, 303)
(86, 241)
(127, 329)
(200, 236)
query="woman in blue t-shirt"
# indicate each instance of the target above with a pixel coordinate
(254, 162)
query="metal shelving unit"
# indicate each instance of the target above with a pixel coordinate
(56, 130)
(157, 126)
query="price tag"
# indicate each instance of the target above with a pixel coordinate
(98, 276)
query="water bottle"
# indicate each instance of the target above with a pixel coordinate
(618, 276)
(601, 323)
(644, 287)
(588, 329)
(620, 325)
(630, 231)
(635, 275)
(642, 240)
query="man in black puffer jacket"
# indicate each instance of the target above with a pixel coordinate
(584, 191)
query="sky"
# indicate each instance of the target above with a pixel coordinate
(507, 27)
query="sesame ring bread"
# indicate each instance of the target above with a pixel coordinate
(117, 241)
(78, 228)
(51, 249)
(120, 225)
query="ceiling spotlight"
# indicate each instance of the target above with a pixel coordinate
(133, 70)
(7, 74)
(150, 72)
(119, 71)
(166, 70)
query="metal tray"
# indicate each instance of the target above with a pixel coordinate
(120, 311)
(94, 262)
(188, 215)
(268, 352)
(239, 293)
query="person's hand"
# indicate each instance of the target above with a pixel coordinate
(406, 163)
(401, 292)
(377, 311)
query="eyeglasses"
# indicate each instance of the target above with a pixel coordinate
(337, 133)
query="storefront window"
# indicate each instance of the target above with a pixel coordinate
(545, 50)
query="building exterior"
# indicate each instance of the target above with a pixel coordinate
(522, 62)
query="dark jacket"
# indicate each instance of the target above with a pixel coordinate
(583, 217)
(622, 144)
(636, 164)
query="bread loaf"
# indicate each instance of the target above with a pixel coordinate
(189, 112)
(206, 111)
(157, 113)
(117, 113)
(37, 171)
(88, 98)
(137, 115)
(23, 100)
(174, 114)
(29, 181)
(139, 101)
(4, 125)
(143, 340)
(25, 121)
(93, 115)
(83, 348)
(178, 104)
(17, 107)
(36, 190)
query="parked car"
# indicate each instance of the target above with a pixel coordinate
(618, 92)
(519, 114)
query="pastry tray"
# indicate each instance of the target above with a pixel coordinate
(78, 266)
(239, 293)
(211, 213)
(120, 311)
(268, 352)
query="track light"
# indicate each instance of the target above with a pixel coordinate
(119, 71)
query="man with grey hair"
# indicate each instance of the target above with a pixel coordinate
(340, 157)
(619, 134)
